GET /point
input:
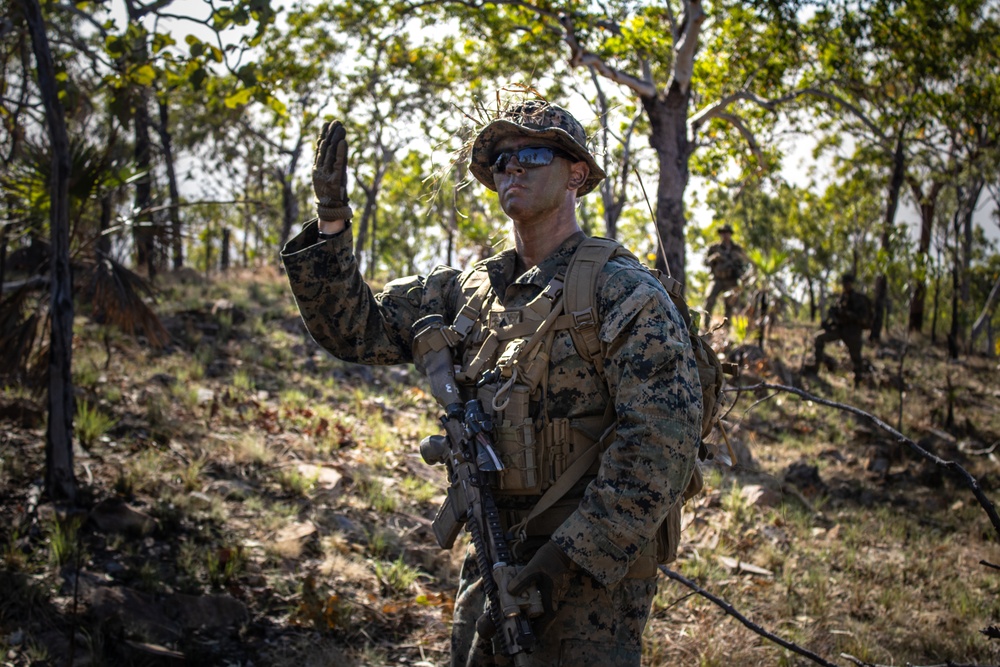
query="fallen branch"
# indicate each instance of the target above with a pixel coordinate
(729, 609)
(862, 663)
(951, 466)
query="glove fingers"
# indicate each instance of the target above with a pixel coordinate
(340, 164)
(322, 146)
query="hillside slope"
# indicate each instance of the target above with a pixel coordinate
(247, 499)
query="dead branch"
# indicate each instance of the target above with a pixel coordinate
(862, 663)
(951, 466)
(729, 609)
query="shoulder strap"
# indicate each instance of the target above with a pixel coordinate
(580, 295)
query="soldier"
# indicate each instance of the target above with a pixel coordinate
(593, 554)
(846, 319)
(728, 262)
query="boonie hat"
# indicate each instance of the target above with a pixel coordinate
(726, 229)
(535, 119)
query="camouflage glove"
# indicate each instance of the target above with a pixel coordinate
(549, 570)
(329, 173)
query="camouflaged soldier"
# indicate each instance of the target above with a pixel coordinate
(593, 554)
(728, 262)
(846, 320)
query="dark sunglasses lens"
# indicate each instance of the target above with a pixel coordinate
(529, 158)
(538, 156)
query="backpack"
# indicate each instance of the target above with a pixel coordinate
(580, 295)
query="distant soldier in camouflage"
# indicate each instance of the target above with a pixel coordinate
(593, 554)
(846, 320)
(728, 262)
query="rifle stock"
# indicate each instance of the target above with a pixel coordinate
(470, 502)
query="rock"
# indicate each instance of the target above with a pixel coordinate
(135, 612)
(113, 515)
(206, 612)
(806, 479)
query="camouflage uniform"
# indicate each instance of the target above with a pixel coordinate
(727, 262)
(609, 521)
(846, 321)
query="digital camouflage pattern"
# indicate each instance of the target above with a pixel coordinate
(727, 263)
(846, 320)
(549, 124)
(595, 625)
(650, 376)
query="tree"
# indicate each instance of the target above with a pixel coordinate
(60, 480)
(652, 52)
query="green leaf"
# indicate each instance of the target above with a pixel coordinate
(144, 75)
(239, 98)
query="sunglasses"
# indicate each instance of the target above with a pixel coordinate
(529, 157)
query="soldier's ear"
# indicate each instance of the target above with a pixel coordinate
(578, 173)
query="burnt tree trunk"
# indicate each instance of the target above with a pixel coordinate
(60, 481)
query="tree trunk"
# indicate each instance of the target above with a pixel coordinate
(289, 202)
(919, 288)
(224, 256)
(881, 282)
(143, 224)
(975, 190)
(176, 238)
(668, 119)
(812, 299)
(60, 481)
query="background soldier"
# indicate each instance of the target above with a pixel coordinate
(593, 554)
(846, 319)
(728, 262)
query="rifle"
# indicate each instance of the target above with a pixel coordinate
(469, 454)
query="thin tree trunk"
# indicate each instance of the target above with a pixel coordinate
(60, 481)
(224, 256)
(289, 202)
(144, 234)
(937, 292)
(881, 282)
(927, 205)
(176, 239)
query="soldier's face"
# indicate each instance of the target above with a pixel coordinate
(530, 193)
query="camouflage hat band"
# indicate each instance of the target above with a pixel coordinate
(548, 123)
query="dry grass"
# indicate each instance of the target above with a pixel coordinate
(289, 481)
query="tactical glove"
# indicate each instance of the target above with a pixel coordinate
(329, 173)
(549, 570)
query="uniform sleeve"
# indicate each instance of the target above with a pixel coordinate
(341, 312)
(653, 379)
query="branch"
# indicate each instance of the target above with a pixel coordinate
(687, 44)
(738, 123)
(729, 609)
(961, 472)
(719, 106)
(642, 88)
(862, 663)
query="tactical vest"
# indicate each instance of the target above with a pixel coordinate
(505, 364)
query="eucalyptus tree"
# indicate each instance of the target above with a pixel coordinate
(652, 51)
(887, 69)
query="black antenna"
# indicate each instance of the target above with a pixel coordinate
(659, 239)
